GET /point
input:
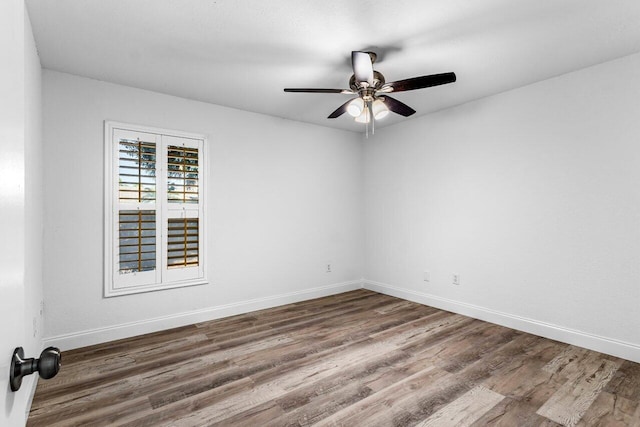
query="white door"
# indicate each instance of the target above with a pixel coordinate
(12, 181)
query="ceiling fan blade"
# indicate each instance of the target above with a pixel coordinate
(419, 82)
(362, 67)
(397, 106)
(340, 110)
(306, 90)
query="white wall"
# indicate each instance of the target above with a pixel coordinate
(284, 200)
(20, 213)
(532, 196)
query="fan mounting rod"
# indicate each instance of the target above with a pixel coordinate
(373, 56)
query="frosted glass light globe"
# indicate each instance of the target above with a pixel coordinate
(365, 117)
(355, 107)
(380, 110)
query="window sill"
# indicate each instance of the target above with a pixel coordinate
(110, 292)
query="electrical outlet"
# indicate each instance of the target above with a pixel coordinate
(456, 279)
(426, 276)
(328, 268)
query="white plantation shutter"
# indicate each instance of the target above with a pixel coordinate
(154, 208)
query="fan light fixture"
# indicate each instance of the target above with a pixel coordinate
(379, 109)
(365, 117)
(355, 107)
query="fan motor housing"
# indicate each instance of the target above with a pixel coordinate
(378, 81)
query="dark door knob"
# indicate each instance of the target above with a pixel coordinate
(47, 365)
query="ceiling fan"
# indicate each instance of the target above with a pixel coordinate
(373, 101)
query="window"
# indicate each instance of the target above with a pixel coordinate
(154, 202)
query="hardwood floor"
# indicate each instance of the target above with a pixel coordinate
(354, 359)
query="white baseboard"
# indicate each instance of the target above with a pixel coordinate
(610, 346)
(131, 329)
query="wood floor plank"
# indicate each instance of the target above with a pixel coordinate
(401, 405)
(611, 410)
(522, 377)
(353, 359)
(98, 351)
(527, 388)
(315, 401)
(465, 410)
(381, 408)
(323, 405)
(567, 405)
(114, 394)
(626, 382)
(258, 415)
(64, 386)
(185, 407)
(480, 342)
(512, 412)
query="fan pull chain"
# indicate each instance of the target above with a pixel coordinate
(373, 123)
(370, 116)
(366, 122)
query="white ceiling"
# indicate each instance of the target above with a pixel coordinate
(242, 53)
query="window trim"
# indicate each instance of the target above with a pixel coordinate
(110, 289)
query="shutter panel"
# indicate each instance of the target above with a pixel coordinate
(136, 219)
(136, 171)
(182, 255)
(182, 174)
(183, 241)
(137, 241)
